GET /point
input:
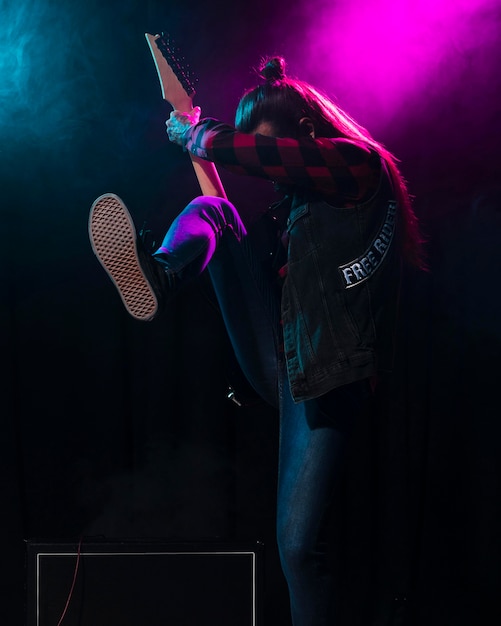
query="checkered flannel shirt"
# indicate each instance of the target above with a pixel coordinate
(344, 171)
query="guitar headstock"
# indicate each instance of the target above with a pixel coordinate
(178, 88)
(176, 79)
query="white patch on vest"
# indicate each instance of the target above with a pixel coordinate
(360, 269)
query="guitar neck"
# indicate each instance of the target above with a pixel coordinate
(180, 98)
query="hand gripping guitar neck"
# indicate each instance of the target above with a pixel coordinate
(178, 90)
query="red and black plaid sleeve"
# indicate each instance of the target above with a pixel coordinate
(334, 167)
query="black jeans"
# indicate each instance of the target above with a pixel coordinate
(313, 434)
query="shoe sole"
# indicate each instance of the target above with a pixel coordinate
(113, 238)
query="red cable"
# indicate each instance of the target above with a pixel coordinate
(77, 564)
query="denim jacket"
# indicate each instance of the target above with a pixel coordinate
(339, 298)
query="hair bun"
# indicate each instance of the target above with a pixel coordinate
(273, 69)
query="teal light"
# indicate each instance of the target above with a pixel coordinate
(44, 68)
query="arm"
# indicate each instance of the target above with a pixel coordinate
(330, 166)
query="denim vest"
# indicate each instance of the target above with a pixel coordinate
(340, 295)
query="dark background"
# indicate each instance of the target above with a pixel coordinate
(116, 429)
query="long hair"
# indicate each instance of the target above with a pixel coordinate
(283, 101)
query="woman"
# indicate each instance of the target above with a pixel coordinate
(312, 333)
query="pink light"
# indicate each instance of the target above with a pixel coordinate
(386, 55)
